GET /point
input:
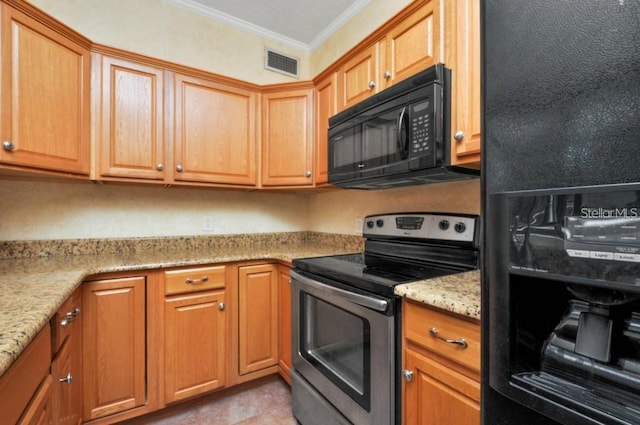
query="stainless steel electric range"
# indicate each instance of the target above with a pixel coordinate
(346, 318)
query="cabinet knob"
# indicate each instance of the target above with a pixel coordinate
(68, 379)
(159, 166)
(387, 75)
(372, 84)
(458, 135)
(8, 145)
(179, 168)
(407, 375)
(308, 174)
(221, 306)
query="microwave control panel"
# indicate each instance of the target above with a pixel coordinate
(421, 127)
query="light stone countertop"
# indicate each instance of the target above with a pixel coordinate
(33, 289)
(457, 293)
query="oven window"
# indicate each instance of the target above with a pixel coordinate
(337, 343)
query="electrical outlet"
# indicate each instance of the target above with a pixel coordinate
(358, 225)
(207, 224)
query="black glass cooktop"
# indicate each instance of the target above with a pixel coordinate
(371, 273)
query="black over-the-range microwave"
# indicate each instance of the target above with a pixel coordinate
(398, 137)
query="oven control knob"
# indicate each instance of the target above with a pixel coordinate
(443, 225)
(379, 222)
(370, 224)
(460, 227)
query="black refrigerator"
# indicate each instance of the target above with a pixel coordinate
(561, 212)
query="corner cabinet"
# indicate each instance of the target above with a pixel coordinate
(215, 132)
(287, 137)
(114, 346)
(45, 98)
(464, 60)
(440, 378)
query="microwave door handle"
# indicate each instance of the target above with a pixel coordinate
(363, 300)
(403, 145)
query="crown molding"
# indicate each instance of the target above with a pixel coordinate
(337, 23)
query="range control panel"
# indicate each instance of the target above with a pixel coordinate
(615, 238)
(432, 226)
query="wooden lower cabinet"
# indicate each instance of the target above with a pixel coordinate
(437, 395)
(39, 410)
(441, 382)
(114, 346)
(258, 317)
(284, 323)
(66, 367)
(195, 340)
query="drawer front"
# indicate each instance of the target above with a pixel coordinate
(431, 329)
(194, 279)
(65, 320)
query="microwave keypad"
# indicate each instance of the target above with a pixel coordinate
(420, 133)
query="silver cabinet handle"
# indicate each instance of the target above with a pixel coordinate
(407, 375)
(70, 317)
(460, 341)
(371, 84)
(190, 281)
(8, 145)
(221, 306)
(387, 75)
(308, 174)
(360, 165)
(179, 168)
(67, 378)
(160, 166)
(458, 135)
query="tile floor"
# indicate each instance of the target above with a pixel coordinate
(266, 402)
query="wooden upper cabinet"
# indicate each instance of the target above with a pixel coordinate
(464, 60)
(45, 97)
(215, 132)
(131, 135)
(287, 138)
(326, 106)
(412, 45)
(357, 78)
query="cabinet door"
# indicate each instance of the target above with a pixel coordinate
(437, 395)
(66, 367)
(357, 78)
(45, 97)
(258, 317)
(131, 128)
(194, 344)
(414, 44)
(287, 138)
(326, 106)
(215, 132)
(39, 410)
(284, 323)
(113, 346)
(465, 97)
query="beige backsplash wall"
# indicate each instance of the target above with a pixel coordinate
(43, 210)
(339, 210)
(47, 210)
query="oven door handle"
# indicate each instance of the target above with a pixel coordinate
(363, 300)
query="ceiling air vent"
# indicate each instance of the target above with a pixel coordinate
(280, 63)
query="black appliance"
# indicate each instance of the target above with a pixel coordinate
(561, 132)
(397, 137)
(346, 318)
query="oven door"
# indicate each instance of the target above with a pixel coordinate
(344, 348)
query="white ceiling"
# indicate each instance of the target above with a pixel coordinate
(301, 24)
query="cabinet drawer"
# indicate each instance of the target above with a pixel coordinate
(195, 279)
(65, 320)
(429, 328)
